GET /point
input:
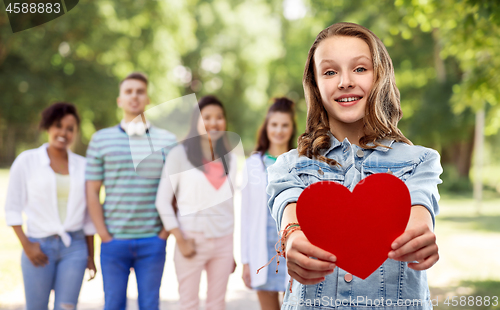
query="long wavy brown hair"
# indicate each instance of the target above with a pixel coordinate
(383, 109)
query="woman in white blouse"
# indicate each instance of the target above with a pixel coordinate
(48, 185)
(201, 173)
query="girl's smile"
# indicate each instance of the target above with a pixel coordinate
(348, 100)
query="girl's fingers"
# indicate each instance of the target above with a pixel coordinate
(308, 268)
(303, 260)
(304, 281)
(312, 264)
(313, 251)
(299, 259)
(298, 241)
(406, 237)
(419, 255)
(308, 274)
(302, 245)
(426, 264)
(413, 244)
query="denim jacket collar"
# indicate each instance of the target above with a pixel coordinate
(334, 143)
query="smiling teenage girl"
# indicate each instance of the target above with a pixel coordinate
(351, 132)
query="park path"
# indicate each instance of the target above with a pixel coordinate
(92, 295)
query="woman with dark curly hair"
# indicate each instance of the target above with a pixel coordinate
(48, 185)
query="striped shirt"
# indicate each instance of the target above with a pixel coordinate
(130, 168)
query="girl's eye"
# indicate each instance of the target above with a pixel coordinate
(330, 73)
(360, 69)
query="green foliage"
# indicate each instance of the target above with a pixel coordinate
(469, 31)
(66, 60)
(247, 52)
(453, 183)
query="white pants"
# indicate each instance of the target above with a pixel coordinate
(215, 255)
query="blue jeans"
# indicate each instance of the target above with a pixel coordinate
(146, 256)
(64, 272)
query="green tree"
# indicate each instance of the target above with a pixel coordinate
(467, 34)
(66, 60)
(247, 52)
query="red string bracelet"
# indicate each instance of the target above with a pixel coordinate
(281, 249)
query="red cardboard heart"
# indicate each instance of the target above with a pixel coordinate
(358, 227)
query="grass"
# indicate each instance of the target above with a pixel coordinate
(469, 244)
(480, 291)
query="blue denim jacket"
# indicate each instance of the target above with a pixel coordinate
(394, 285)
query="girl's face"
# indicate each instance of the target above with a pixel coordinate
(344, 73)
(61, 133)
(279, 128)
(212, 121)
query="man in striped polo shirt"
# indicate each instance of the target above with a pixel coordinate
(128, 223)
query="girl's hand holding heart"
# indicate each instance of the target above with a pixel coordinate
(298, 253)
(301, 266)
(418, 242)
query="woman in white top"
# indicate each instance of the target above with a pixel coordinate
(48, 185)
(201, 173)
(258, 228)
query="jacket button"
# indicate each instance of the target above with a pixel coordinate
(348, 277)
(389, 171)
(320, 171)
(360, 153)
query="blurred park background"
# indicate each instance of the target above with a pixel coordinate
(445, 55)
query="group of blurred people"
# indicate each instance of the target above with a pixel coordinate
(185, 190)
